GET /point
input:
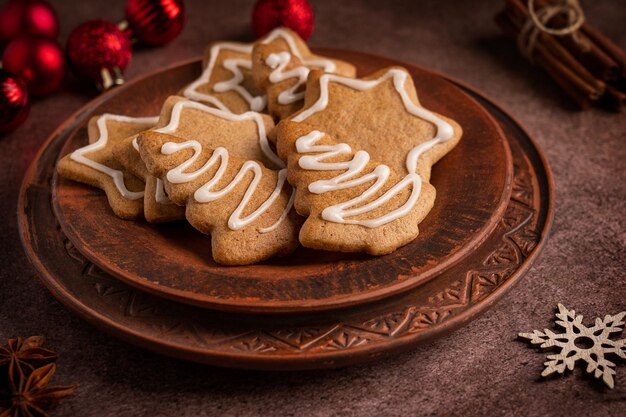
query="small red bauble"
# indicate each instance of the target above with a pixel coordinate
(27, 17)
(155, 22)
(297, 15)
(98, 51)
(14, 104)
(39, 61)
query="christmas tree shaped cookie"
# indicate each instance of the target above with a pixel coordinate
(191, 120)
(221, 166)
(359, 155)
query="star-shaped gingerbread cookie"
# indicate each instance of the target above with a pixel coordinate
(351, 202)
(95, 165)
(226, 81)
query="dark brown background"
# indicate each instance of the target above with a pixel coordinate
(481, 369)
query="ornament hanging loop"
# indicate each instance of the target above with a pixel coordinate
(110, 78)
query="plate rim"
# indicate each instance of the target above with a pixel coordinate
(257, 362)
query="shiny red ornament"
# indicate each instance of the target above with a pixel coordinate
(39, 61)
(297, 15)
(14, 105)
(27, 17)
(155, 22)
(99, 52)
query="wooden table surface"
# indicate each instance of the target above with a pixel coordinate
(479, 370)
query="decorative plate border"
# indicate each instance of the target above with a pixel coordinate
(296, 341)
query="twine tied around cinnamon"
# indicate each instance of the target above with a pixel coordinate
(538, 20)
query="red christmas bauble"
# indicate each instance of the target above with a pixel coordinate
(14, 104)
(38, 60)
(297, 15)
(27, 17)
(155, 22)
(97, 49)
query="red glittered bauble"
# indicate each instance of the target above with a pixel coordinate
(14, 104)
(98, 52)
(27, 17)
(297, 15)
(38, 60)
(155, 22)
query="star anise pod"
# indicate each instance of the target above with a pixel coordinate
(30, 397)
(25, 356)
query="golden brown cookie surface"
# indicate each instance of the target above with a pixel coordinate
(226, 81)
(360, 154)
(245, 206)
(95, 165)
(281, 62)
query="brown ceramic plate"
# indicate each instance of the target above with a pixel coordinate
(473, 185)
(293, 341)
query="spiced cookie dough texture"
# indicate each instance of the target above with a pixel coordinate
(267, 74)
(360, 154)
(95, 165)
(230, 180)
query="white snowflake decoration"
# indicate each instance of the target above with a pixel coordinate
(579, 342)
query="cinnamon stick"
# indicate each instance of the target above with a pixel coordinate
(575, 87)
(519, 15)
(595, 59)
(607, 45)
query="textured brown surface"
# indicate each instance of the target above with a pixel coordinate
(480, 369)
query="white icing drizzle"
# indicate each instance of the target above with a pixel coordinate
(117, 175)
(338, 212)
(256, 103)
(160, 195)
(278, 62)
(206, 192)
(135, 144)
(256, 117)
(327, 65)
(178, 175)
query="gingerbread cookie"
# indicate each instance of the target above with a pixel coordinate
(192, 121)
(351, 202)
(281, 62)
(157, 207)
(209, 160)
(95, 165)
(226, 81)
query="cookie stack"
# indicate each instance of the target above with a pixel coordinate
(272, 147)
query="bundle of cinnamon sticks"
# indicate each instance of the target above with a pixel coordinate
(589, 67)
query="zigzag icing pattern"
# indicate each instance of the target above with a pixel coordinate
(206, 192)
(338, 213)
